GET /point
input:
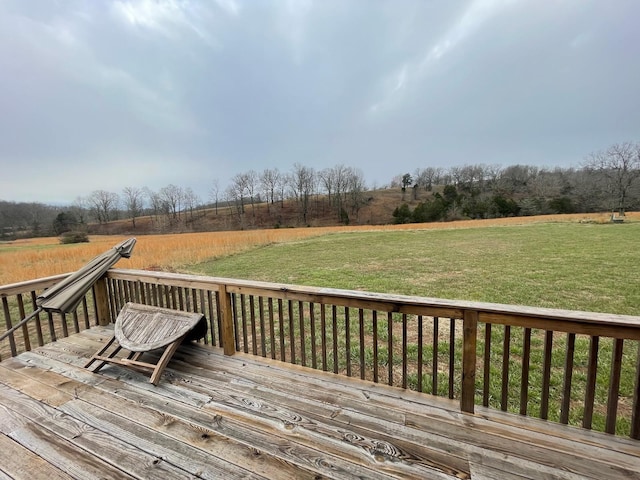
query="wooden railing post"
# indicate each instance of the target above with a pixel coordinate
(469, 337)
(226, 315)
(102, 302)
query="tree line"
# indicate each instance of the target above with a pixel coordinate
(339, 189)
(607, 180)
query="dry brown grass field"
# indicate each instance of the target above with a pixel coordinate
(29, 259)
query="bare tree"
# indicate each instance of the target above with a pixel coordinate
(302, 184)
(492, 174)
(269, 181)
(79, 208)
(425, 177)
(233, 196)
(214, 192)
(283, 181)
(155, 201)
(238, 190)
(191, 201)
(341, 176)
(251, 186)
(515, 178)
(620, 166)
(172, 197)
(327, 179)
(133, 198)
(546, 184)
(103, 205)
(355, 190)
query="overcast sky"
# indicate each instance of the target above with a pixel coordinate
(108, 94)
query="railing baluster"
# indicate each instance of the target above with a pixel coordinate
(292, 335)
(524, 383)
(7, 320)
(76, 325)
(141, 293)
(121, 300)
(272, 331)
(214, 313)
(303, 355)
(323, 331)
(614, 386)
(312, 326)
(243, 318)
(404, 350)
(506, 350)
(209, 313)
(390, 346)
(204, 306)
(34, 306)
(434, 360)
(283, 356)
(176, 298)
(568, 375)
(487, 365)
(546, 374)
(590, 389)
(85, 313)
(161, 295)
(252, 317)
(190, 300)
(469, 356)
(361, 328)
(25, 328)
(263, 340)
(420, 353)
(170, 296)
(334, 329)
(347, 339)
(236, 323)
(452, 355)
(52, 328)
(374, 321)
(111, 297)
(156, 296)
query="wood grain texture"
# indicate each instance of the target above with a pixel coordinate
(140, 328)
(241, 416)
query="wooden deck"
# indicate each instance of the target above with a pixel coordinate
(213, 416)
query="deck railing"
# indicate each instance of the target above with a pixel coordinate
(577, 368)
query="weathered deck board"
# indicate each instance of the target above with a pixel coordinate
(20, 463)
(470, 431)
(213, 416)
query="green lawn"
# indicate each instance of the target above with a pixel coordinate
(574, 266)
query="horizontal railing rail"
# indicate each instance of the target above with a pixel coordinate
(578, 368)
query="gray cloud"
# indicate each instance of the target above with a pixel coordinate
(106, 95)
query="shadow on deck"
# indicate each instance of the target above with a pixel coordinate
(215, 416)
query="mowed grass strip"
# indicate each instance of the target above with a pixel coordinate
(590, 267)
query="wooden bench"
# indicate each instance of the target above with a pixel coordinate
(142, 328)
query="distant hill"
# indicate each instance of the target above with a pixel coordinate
(377, 209)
